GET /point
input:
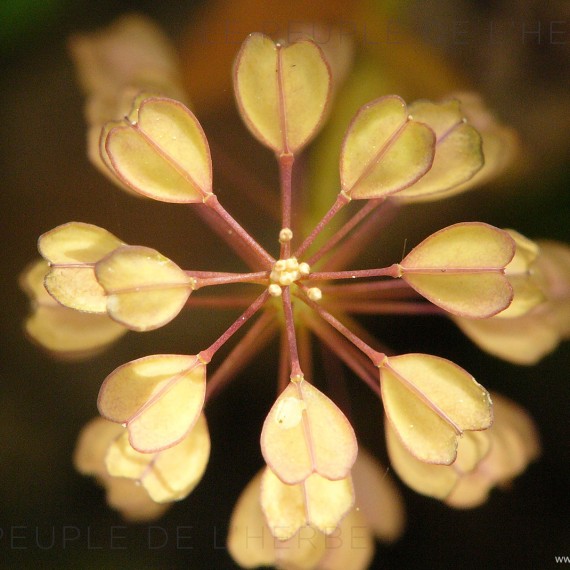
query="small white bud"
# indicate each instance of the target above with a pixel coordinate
(274, 290)
(285, 235)
(304, 268)
(315, 294)
(286, 278)
(292, 263)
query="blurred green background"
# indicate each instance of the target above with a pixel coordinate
(516, 53)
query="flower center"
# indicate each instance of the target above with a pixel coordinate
(285, 272)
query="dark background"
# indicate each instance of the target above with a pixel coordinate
(47, 180)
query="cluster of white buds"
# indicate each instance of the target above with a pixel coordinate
(285, 272)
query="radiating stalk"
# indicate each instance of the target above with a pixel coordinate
(285, 177)
(370, 206)
(376, 357)
(263, 257)
(392, 271)
(290, 329)
(341, 201)
(254, 340)
(207, 355)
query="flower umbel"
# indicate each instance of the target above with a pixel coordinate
(436, 412)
